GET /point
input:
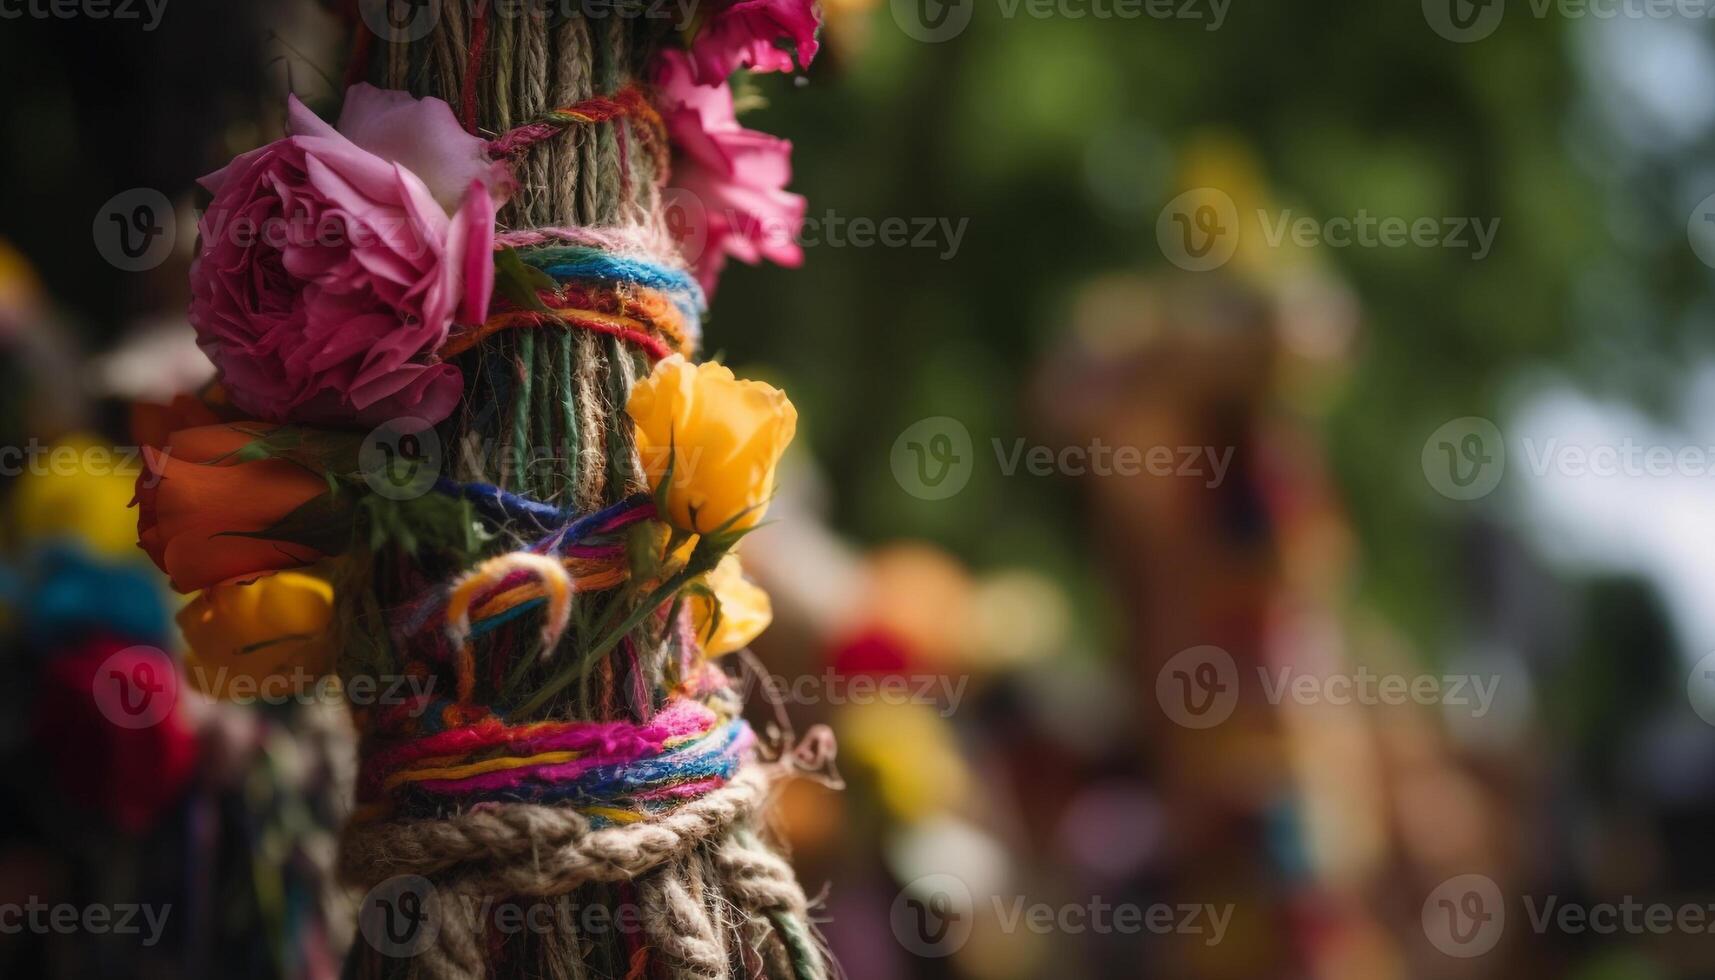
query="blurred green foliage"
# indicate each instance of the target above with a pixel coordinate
(1057, 139)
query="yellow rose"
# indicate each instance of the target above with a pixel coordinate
(723, 437)
(744, 609)
(248, 631)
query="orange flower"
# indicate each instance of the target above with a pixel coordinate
(152, 423)
(193, 492)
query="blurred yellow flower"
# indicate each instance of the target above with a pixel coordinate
(737, 614)
(909, 750)
(78, 489)
(240, 633)
(722, 436)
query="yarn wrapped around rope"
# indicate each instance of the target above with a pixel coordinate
(599, 793)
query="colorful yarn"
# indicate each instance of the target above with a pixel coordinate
(434, 757)
(603, 285)
(614, 771)
(581, 543)
(626, 103)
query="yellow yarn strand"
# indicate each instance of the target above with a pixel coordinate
(478, 768)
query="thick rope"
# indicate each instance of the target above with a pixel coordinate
(527, 849)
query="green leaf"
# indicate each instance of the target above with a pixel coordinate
(324, 523)
(518, 281)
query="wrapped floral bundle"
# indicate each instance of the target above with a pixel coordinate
(459, 421)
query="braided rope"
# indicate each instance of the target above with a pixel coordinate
(528, 849)
(677, 920)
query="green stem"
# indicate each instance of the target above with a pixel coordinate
(581, 669)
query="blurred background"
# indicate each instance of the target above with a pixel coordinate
(1253, 514)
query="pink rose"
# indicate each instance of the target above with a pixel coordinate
(333, 262)
(747, 34)
(737, 175)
